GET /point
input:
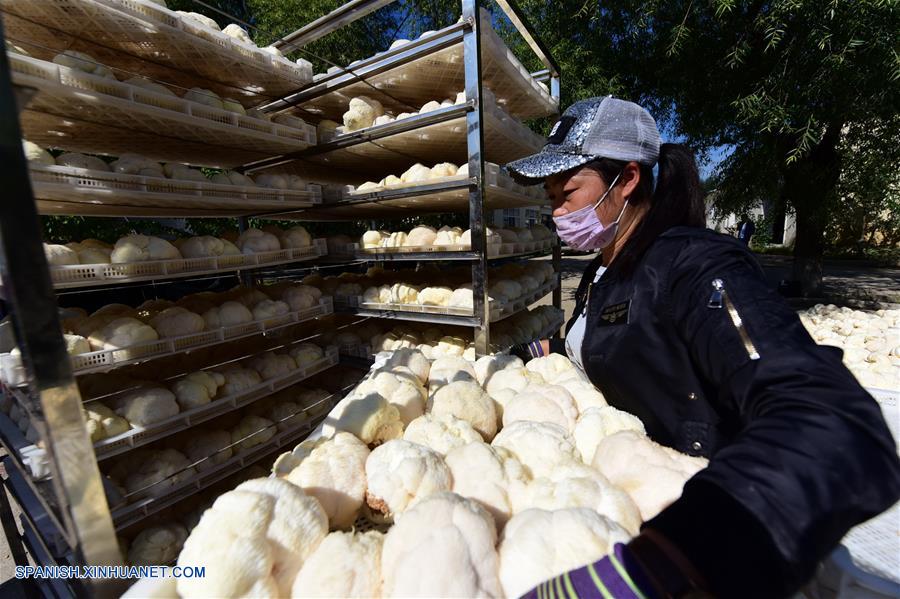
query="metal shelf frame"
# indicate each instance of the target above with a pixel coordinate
(28, 288)
(74, 493)
(384, 72)
(468, 31)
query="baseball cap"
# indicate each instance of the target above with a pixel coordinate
(589, 129)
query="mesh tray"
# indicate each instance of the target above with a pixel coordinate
(494, 178)
(75, 110)
(399, 311)
(83, 275)
(398, 252)
(110, 209)
(499, 250)
(81, 186)
(521, 303)
(13, 373)
(496, 309)
(499, 189)
(144, 37)
(363, 352)
(136, 437)
(365, 522)
(505, 139)
(424, 202)
(436, 76)
(140, 509)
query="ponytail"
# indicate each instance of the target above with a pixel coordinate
(678, 197)
(676, 201)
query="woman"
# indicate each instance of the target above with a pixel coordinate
(681, 329)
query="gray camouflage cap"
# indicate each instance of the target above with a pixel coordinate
(590, 129)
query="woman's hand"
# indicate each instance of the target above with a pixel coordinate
(532, 349)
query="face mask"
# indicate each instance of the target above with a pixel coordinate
(582, 229)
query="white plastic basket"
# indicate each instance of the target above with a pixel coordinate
(166, 494)
(13, 372)
(441, 75)
(162, 495)
(498, 310)
(82, 275)
(505, 139)
(398, 252)
(363, 351)
(415, 308)
(141, 436)
(521, 303)
(178, 48)
(89, 113)
(501, 191)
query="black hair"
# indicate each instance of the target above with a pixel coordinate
(677, 201)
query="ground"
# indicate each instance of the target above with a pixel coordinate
(844, 281)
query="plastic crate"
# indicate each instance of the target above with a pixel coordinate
(501, 192)
(99, 109)
(98, 361)
(90, 189)
(399, 84)
(505, 139)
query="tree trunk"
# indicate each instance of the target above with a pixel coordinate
(809, 248)
(810, 185)
(776, 214)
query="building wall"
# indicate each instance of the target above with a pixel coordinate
(728, 224)
(519, 217)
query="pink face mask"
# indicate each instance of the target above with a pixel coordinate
(582, 229)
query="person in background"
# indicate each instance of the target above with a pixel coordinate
(745, 231)
(676, 324)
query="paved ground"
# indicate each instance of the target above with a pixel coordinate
(843, 280)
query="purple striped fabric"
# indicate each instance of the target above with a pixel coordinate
(583, 583)
(613, 582)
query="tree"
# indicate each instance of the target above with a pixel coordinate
(869, 205)
(575, 41)
(784, 81)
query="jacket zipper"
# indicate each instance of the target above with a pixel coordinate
(719, 298)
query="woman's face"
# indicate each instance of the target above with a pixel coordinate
(580, 187)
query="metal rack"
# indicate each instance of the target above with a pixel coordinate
(61, 189)
(181, 52)
(467, 53)
(68, 518)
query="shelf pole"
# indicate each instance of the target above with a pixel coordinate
(54, 394)
(520, 22)
(475, 144)
(557, 268)
(247, 278)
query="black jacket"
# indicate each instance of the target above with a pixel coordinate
(715, 363)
